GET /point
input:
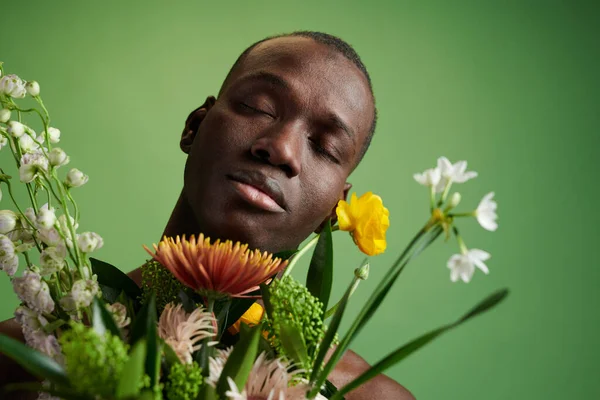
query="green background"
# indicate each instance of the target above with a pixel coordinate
(512, 87)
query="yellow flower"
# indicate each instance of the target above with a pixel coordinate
(251, 317)
(367, 221)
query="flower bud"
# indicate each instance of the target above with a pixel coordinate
(454, 200)
(119, 313)
(53, 135)
(23, 247)
(8, 221)
(33, 88)
(76, 178)
(58, 157)
(362, 272)
(3, 141)
(89, 241)
(46, 217)
(4, 115)
(16, 129)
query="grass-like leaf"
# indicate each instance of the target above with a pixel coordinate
(36, 363)
(240, 361)
(131, 380)
(103, 320)
(409, 348)
(319, 278)
(293, 343)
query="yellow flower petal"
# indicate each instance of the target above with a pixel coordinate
(367, 220)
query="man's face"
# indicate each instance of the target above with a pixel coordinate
(270, 159)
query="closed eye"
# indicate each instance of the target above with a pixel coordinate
(322, 151)
(256, 110)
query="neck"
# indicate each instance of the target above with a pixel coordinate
(182, 220)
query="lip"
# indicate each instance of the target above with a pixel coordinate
(259, 190)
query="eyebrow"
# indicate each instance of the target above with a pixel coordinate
(337, 121)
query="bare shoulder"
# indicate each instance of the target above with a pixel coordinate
(381, 387)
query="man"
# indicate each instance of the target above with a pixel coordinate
(269, 158)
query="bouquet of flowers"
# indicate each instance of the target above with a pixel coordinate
(213, 319)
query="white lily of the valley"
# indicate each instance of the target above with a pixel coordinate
(16, 129)
(486, 212)
(46, 217)
(11, 85)
(8, 221)
(53, 135)
(3, 142)
(31, 165)
(33, 88)
(89, 241)
(430, 177)
(58, 157)
(27, 144)
(76, 178)
(463, 265)
(4, 115)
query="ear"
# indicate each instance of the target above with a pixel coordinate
(192, 123)
(333, 215)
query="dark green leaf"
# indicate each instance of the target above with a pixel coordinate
(320, 273)
(170, 355)
(66, 394)
(285, 255)
(103, 320)
(145, 320)
(109, 294)
(131, 379)
(239, 364)
(36, 363)
(237, 308)
(113, 277)
(188, 304)
(409, 348)
(153, 352)
(293, 343)
(329, 390)
(266, 298)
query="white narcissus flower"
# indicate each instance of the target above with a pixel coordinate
(46, 217)
(430, 177)
(119, 313)
(89, 241)
(58, 157)
(82, 294)
(463, 265)
(8, 221)
(486, 212)
(33, 88)
(11, 85)
(456, 173)
(52, 259)
(34, 291)
(76, 178)
(183, 331)
(31, 165)
(4, 115)
(16, 129)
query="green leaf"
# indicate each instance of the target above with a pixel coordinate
(36, 363)
(266, 298)
(103, 320)
(170, 355)
(208, 392)
(239, 364)
(293, 343)
(145, 319)
(131, 379)
(188, 304)
(409, 348)
(331, 331)
(320, 273)
(111, 276)
(153, 352)
(66, 394)
(285, 255)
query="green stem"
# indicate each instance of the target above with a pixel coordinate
(445, 192)
(299, 254)
(332, 310)
(29, 222)
(464, 214)
(27, 260)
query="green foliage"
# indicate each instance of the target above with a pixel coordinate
(184, 382)
(94, 362)
(154, 275)
(294, 308)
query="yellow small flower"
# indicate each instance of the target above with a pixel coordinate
(367, 221)
(251, 317)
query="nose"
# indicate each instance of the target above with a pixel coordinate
(281, 147)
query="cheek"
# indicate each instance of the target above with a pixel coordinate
(320, 195)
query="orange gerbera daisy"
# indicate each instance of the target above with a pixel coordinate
(217, 269)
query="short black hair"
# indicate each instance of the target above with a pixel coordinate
(334, 43)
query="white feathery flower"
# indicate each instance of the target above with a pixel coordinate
(4, 115)
(29, 319)
(58, 157)
(82, 294)
(52, 259)
(216, 364)
(34, 292)
(16, 129)
(33, 88)
(183, 331)
(46, 396)
(270, 379)
(456, 173)
(31, 165)
(76, 178)
(430, 177)
(46, 217)
(119, 313)
(463, 265)
(13, 86)
(486, 212)
(8, 221)
(89, 241)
